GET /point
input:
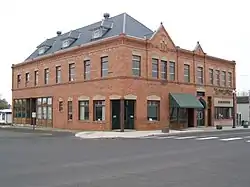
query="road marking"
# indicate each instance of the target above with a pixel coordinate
(231, 139)
(164, 137)
(248, 141)
(207, 138)
(185, 137)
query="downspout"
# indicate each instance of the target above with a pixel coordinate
(205, 70)
(177, 65)
(147, 59)
(194, 69)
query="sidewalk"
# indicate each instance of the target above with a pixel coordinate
(138, 134)
(126, 134)
(37, 128)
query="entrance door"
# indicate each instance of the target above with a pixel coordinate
(115, 114)
(209, 111)
(129, 114)
(201, 113)
(200, 118)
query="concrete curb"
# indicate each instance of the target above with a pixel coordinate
(197, 132)
(41, 129)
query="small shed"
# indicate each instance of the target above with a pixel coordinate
(6, 116)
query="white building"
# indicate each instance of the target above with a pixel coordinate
(243, 108)
(6, 116)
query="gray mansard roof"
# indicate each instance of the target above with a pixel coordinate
(112, 26)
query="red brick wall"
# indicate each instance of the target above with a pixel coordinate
(119, 81)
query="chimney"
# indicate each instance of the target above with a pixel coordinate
(106, 15)
(58, 33)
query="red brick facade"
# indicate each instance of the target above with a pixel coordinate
(120, 83)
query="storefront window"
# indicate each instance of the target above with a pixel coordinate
(223, 112)
(183, 115)
(44, 108)
(39, 112)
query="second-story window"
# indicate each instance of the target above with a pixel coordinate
(164, 69)
(46, 76)
(223, 78)
(18, 80)
(211, 76)
(155, 68)
(171, 71)
(104, 65)
(230, 79)
(27, 78)
(217, 76)
(86, 69)
(72, 72)
(58, 74)
(36, 78)
(200, 75)
(186, 73)
(136, 65)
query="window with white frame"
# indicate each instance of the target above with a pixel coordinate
(72, 72)
(41, 50)
(186, 73)
(223, 78)
(217, 76)
(86, 65)
(171, 70)
(230, 79)
(58, 74)
(164, 69)
(83, 110)
(97, 33)
(200, 79)
(155, 68)
(104, 66)
(211, 76)
(136, 65)
(65, 43)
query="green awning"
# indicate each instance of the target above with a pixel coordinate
(183, 100)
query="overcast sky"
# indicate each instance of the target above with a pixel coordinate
(222, 27)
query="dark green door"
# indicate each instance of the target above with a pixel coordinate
(201, 113)
(115, 115)
(129, 114)
(200, 117)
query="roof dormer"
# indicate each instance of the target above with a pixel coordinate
(101, 29)
(42, 50)
(70, 38)
(45, 46)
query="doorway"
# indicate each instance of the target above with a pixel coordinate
(128, 114)
(115, 114)
(201, 113)
(190, 117)
(209, 111)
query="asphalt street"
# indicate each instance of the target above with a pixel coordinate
(44, 159)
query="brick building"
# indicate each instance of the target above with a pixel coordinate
(117, 73)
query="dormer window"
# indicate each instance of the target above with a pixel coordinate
(97, 33)
(65, 43)
(41, 50)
